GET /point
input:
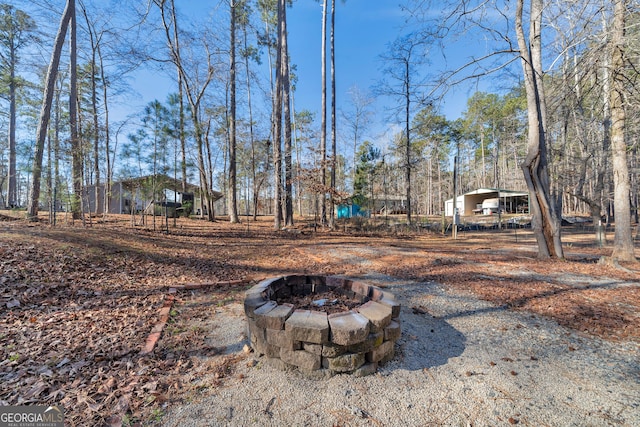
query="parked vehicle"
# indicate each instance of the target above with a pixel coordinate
(491, 206)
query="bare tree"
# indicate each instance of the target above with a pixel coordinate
(623, 249)
(251, 53)
(17, 30)
(76, 146)
(545, 221)
(233, 203)
(578, 108)
(107, 148)
(195, 89)
(463, 16)
(323, 116)
(45, 112)
(277, 122)
(286, 101)
(357, 119)
(334, 153)
(403, 82)
(182, 133)
(95, 40)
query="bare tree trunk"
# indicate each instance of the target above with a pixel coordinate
(76, 148)
(94, 40)
(286, 101)
(56, 151)
(108, 178)
(484, 167)
(49, 178)
(333, 118)
(12, 193)
(440, 187)
(204, 180)
(323, 118)
(430, 197)
(599, 156)
(251, 135)
(34, 196)
(183, 141)
(545, 223)
(407, 172)
(233, 202)
(96, 136)
(265, 17)
(300, 190)
(623, 238)
(209, 165)
(277, 126)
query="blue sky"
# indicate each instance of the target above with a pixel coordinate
(364, 28)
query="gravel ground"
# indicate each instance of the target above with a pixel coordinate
(464, 362)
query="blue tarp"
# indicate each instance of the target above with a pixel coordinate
(348, 211)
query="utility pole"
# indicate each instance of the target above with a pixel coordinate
(456, 215)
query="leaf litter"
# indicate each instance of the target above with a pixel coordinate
(78, 303)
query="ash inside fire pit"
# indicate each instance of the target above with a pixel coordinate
(322, 323)
(328, 302)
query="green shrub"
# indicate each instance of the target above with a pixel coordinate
(187, 209)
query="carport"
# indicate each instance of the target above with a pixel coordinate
(468, 204)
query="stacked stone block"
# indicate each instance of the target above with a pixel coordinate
(354, 341)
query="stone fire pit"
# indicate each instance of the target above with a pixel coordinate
(348, 327)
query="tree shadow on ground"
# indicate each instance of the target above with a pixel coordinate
(427, 341)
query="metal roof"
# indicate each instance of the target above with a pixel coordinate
(501, 192)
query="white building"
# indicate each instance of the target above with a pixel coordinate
(486, 201)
